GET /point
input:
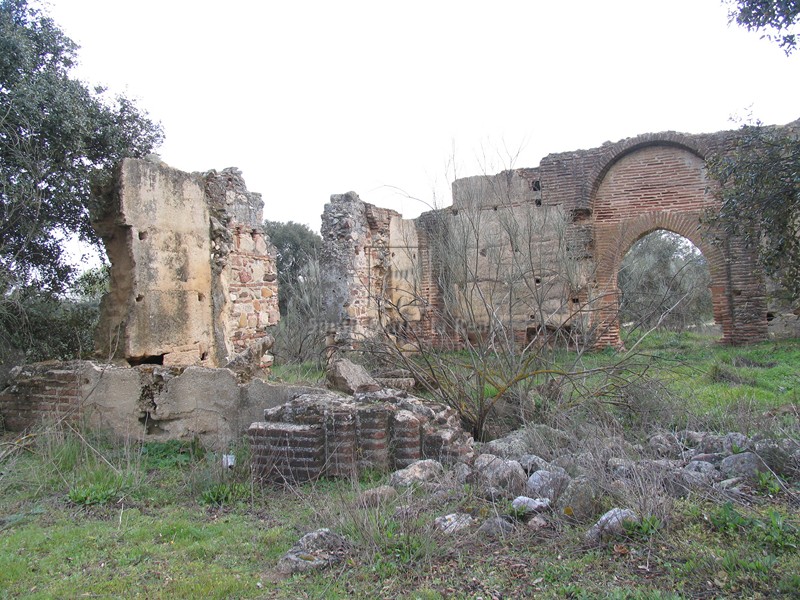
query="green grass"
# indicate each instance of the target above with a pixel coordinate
(84, 516)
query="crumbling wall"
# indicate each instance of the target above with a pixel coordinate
(147, 402)
(544, 246)
(355, 262)
(193, 278)
(324, 434)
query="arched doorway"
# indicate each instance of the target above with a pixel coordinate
(649, 187)
(664, 283)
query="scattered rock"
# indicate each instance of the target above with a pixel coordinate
(537, 523)
(777, 454)
(701, 466)
(315, 551)
(453, 522)
(512, 446)
(377, 496)
(421, 471)
(665, 445)
(496, 526)
(531, 463)
(735, 442)
(348, 377)
(527, 506)
(581, 500)
(611, 524)
(547, 484)
(497, 472)
(745, 464)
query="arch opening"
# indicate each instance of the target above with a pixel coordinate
(664, 282)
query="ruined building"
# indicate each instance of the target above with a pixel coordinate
(193, 278)
(534, 253)
(193, 287)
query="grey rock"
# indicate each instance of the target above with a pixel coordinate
(531, 463)
(665, 445)
(547, 484)
(620, 467)
(713, 458)
(537, 523)
(495, 527)
(315, 551)
(777, 454)
(745, 464)
(528, 506)
(493, 471)
(712, 443)
(348, 377)
(611, 524)
(735, 442)
(453, 522)
(422, 471)
(512, 446)
(581, 500)
(461, 473)
(701, 466)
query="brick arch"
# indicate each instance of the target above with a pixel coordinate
(652, 184)
(614, 152)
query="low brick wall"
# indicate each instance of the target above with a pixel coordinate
(324, 434)
(42, 392)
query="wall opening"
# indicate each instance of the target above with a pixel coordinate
(665, 283)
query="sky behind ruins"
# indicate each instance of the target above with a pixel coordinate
(314, 98)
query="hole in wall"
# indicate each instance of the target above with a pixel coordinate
(538, 201)
(200, 296)
(770, 316)
(536, 185)
(156, 359)
(140, 297)
(204, 356)
(537, 280)
(142, 235)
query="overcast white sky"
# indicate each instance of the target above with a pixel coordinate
(314, 98)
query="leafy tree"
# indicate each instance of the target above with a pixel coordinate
(57, 140)
(664, 282)
(296, 245)
(760, 183)
(780, 16)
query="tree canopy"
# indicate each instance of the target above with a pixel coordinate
(778, 16)
(760, 191)
(296, 245)
(58, 138)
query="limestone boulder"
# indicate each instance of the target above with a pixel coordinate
(315, 551)
(346, 376)
(421, 471)
(611, 524)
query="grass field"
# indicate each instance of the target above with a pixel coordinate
(84, 516)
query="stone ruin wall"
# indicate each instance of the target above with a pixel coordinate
(193, 276)
(152, 402)
(193, 288)
(583, 210)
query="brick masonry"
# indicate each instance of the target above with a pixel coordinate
(612, 195)
(327, 435)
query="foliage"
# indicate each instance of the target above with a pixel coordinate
(296, 244)
(664, 282)
(780, 16)
(300, 335)
(760, 192)
(57, 140)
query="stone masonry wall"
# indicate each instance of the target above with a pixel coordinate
(147, 402)
(193, 278)
(323, 434)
